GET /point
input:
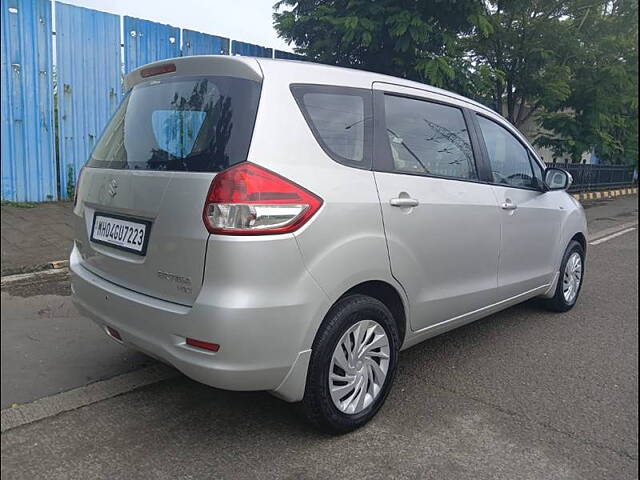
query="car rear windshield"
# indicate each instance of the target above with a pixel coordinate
(184, 124)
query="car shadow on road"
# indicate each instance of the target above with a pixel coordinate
(433, 358)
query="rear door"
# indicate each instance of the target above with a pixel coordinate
(141, 194)
(441, 221)
(530, 218)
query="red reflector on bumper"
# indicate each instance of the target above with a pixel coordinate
(114, 333)
(212, 347)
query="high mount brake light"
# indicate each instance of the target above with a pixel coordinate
(249, 200)
(151, 71)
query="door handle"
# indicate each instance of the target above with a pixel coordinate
(404, 202)
(509, 205)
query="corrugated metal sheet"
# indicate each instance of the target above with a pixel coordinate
(146, 42)
(198, 43)
(89, 82)
(26, 123)
(289, 55)
(250, 50)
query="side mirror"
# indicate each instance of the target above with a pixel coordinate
(557, 179)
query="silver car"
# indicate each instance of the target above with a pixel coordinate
(290, 227)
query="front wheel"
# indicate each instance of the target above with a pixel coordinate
(352, 366)
(570, 281)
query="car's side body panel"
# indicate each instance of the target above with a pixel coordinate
(344, 245)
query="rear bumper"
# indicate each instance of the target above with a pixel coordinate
(261, 342)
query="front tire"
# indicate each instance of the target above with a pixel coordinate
(352, 366)
(570, 281)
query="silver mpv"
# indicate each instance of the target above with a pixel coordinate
(290, 227)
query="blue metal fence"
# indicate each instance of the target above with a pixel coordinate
(89, 83)
(146, 42)
(197, 43)
(27, 154)
(250, 50)
(89, 67)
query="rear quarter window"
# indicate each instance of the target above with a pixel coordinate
(340, 120)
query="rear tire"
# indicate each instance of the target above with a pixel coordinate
(569, 283)
(337, 406)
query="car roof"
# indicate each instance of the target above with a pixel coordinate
(289, 71)
(293, 71)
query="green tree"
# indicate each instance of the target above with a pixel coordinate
(525, 49)
(418, 40)
(601, 111)
(570, 65)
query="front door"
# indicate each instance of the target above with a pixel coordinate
(441, 222)
(530, 219)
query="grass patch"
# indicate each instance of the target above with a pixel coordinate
(7, 203)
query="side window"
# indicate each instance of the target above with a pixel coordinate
(338, 119)
(509, 159)
(428, 138)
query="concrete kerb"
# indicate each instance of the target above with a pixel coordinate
(605, 194)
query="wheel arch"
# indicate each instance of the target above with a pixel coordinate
(389, 296)
(293, 386)
(581, 239)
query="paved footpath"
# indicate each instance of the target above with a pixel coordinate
(522, 394)
(31, 237)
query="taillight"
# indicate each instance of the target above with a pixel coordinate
(250, 200)
(75, 192)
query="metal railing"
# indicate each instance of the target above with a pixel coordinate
(597, 177)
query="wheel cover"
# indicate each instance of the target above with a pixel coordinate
(359, 366)
(572, 277)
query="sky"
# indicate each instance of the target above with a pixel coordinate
(246, 20)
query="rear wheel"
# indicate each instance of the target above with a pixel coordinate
(352, 366)
(570, 281)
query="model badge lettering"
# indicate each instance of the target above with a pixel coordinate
(183, 284)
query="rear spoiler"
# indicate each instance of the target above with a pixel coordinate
(227, 66)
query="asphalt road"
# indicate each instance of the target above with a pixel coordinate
(522, 394)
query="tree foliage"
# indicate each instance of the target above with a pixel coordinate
(412, 39)
(601, 111)
(569, 64)
(525, 51)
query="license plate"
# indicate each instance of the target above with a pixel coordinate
(124, 233)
